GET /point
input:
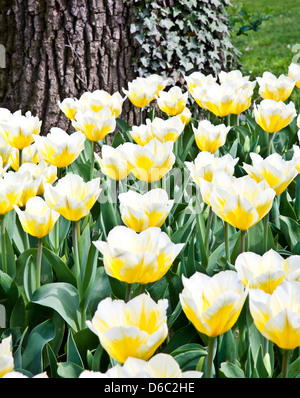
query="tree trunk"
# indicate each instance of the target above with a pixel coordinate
(61, 48)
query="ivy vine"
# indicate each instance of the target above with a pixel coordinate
(176, 38)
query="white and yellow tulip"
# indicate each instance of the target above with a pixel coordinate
(277, 315)
(210, 137)
(266, 272)
(72, 197)
(276, 171)
(141, 211)
(38, 218)
(275, 88)
(59, 148)
(150, 162)
(112, 162)
(133, 329)
(95, 125)
(273, 116)
(242, 202)
(172, 102)
(213, 304)
(143, 257)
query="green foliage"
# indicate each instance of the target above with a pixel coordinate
(242, 20)
(177, 38)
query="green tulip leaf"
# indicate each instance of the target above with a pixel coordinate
(63, 298)
(32, 356)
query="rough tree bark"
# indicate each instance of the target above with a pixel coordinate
(61, 48)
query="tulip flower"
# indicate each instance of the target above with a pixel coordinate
(294, 73)
(197, 79)
(100, 99)
(133, 329)
(242, 87)
(243, 99)
(172, 102)
(37, 220)
(169, 129)
(2, 170)
(137, 257)
(141, 92)
(296, 157)
(95, 125)
(276, 171)
(43, 171)
(208, 171)
(266, 272)
(72, 197)
(112, 162)
(59, 148)
(159, 366)
(19, 187)
(209, 137)
(206, 165)
(30, 154)
(277, 316)
(164, 130)
(243, 203)
(6, 357)
(273, 116)
(141, 211)
(235, 77)
(143, 133)
(10, 192)
(149, 162)
(212, 304)
(5, 150)
(157, 81)
(185, 116)
(220, 99)
(21, 129)
(69, 107)
(198, 93)
(277, 89)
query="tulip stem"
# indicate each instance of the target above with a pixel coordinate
(142, 288)
(59, 173)
(56, 237)
(75, 231)
(128, 292)
(209, 358)
(92, 159)
(20, 157)
(228, 120)
(243, 241)
(270, 136)
(266, 228)
(285, 363)
(226, 233)
(266, 346)
(39, 263)
(209, 221)
(3, 251)
(141, 116)
(237, 119)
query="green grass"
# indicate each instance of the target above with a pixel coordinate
(270, 48)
